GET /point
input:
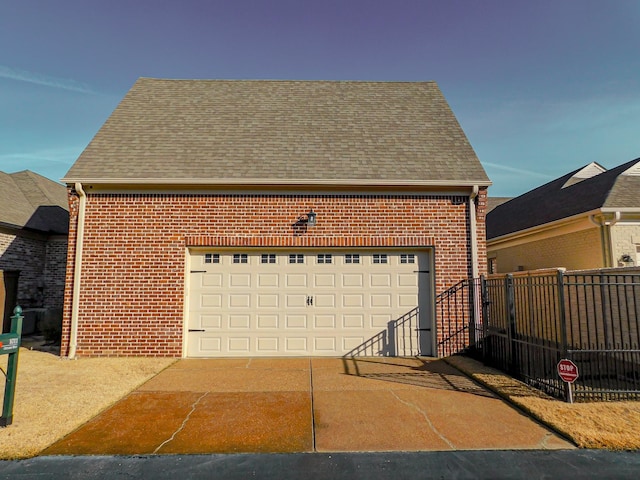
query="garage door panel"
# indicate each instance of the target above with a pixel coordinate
(353, 321)
(268, 301)
(326, 305)
(267, 321)
(239, 345)
(210, 280)
(296, 280)
(324, 344)
(210, 300)
(380, 320)
(326, 280)
(239, 280)
(296, 301)
(380, 301)
(324, 301)
(239, 321)
(239, 300)
(353, 300)
(296, 345)
(267, 344)
(209, 321)
(407, 280)
(324, 321)
(380, 280)
(268, 280)
(354, 280)
(296, 321)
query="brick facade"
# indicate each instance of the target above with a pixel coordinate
(134, 250)
(41, 261)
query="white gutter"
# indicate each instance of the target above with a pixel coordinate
(277, 182)
(77, 270)
(474, 234)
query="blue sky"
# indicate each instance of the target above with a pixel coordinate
(540, 87)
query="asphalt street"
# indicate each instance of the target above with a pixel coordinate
(475, 464)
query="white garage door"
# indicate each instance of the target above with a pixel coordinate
(297, 303)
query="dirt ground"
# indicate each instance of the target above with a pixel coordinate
(55, 396)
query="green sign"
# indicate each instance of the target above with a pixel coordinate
(9, 343)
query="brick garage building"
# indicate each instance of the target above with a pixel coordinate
(249, 218)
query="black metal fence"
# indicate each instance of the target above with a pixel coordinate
(524, 323)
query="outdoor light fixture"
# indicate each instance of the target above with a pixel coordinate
(311, 218)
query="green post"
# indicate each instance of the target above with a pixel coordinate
(10, 344)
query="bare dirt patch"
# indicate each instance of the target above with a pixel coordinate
(54, 396)
(610, 425)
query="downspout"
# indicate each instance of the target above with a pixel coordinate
(77, 270)
(605, 237)
(475, 273)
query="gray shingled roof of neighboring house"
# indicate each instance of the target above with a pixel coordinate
(551, 202)
(33, 202)
(288, 132)
(493, 202)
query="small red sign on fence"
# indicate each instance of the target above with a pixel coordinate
(567, 370)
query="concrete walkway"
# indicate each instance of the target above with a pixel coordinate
(307, 405)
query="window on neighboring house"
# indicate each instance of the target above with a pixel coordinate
(493, 265)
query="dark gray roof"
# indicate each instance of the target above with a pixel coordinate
(263, 131)
(551, 202)
(493, 202)
(33, 202)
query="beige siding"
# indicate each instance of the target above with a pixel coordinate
(625, 240)
(574, 251)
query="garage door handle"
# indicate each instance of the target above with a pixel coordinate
(194, 330)
(309, 300)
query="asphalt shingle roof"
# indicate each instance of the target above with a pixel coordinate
(551, 202)
(34, 202)
(264, 131)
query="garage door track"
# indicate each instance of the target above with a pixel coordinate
(305, 405)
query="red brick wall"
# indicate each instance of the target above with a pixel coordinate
(132, 282)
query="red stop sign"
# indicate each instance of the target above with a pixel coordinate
(567, 370)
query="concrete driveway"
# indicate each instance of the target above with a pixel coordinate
(307, 405)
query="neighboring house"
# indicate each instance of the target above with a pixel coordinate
(34, 224)
(587, 219)
(493, 202)
(249, 218)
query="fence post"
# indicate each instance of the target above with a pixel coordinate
(12, 348)
(511, 315)
(472, 314)
(485, 315)
(562, 318)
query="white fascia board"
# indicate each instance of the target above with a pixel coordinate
(248, 182)
(621, 210)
